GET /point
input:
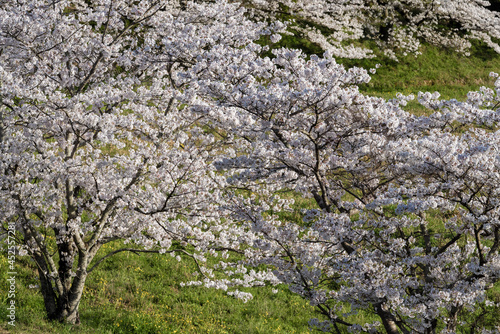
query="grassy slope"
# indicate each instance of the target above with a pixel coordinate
(141, 294)
(444, 71)
(436, 69)
(450, 74)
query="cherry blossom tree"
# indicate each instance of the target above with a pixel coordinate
(406, 223)
(107, 114)
(397, 27)
(97, 141)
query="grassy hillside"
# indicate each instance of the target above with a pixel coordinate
(141, 294)
(436, 69)
(444, 71)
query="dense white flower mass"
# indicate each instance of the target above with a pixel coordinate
(407, 217)
(97, 142)
(398, 27)
(162, 124)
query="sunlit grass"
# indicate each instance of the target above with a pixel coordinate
(142, 294)
(435, 70)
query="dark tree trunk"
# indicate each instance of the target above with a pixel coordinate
(387, 318)
(63, 308)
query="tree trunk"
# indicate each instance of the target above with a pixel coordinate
(68, 313)
(49, 296)
(67, 309)
(62, 300)
(387, 318)
(452, 322)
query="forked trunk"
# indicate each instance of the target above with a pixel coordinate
(65, 307)
(388, 319)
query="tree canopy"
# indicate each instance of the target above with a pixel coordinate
(165, 125)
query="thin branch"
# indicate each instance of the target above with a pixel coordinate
(137, 251)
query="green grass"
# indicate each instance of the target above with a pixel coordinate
(451, 74)
(142, 294)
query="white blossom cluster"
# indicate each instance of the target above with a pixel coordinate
(97, 142)
(398, 27)
(407, 220)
